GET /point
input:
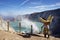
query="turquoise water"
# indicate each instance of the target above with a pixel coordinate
(15, 26)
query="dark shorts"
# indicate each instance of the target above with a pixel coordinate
(46, 31)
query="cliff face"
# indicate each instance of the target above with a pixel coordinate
(55, 25)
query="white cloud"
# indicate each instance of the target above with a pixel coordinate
(37, 9)
(35, 3)
(58, 4)
(24, 2)
(46, 6)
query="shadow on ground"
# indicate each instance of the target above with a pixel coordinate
(56, 35)
(29, 35)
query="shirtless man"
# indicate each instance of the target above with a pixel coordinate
(46, 25)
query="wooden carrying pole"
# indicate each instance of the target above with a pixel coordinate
(7, 25)
(19, 26)
(1, 21)
(31, 29)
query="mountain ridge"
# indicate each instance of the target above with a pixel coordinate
(54, 26)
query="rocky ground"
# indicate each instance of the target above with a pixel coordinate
(14, 36)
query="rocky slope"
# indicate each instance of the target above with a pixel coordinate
(55, 25)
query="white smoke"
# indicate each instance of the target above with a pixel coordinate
(27, 23)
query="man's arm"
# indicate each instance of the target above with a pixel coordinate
(42, 20)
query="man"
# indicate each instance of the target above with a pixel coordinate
(46, 25)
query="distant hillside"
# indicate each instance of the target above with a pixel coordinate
(8, 18)
(55, 25)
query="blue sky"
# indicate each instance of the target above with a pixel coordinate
(21, 7)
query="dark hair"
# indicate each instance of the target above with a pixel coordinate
(44, 18)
